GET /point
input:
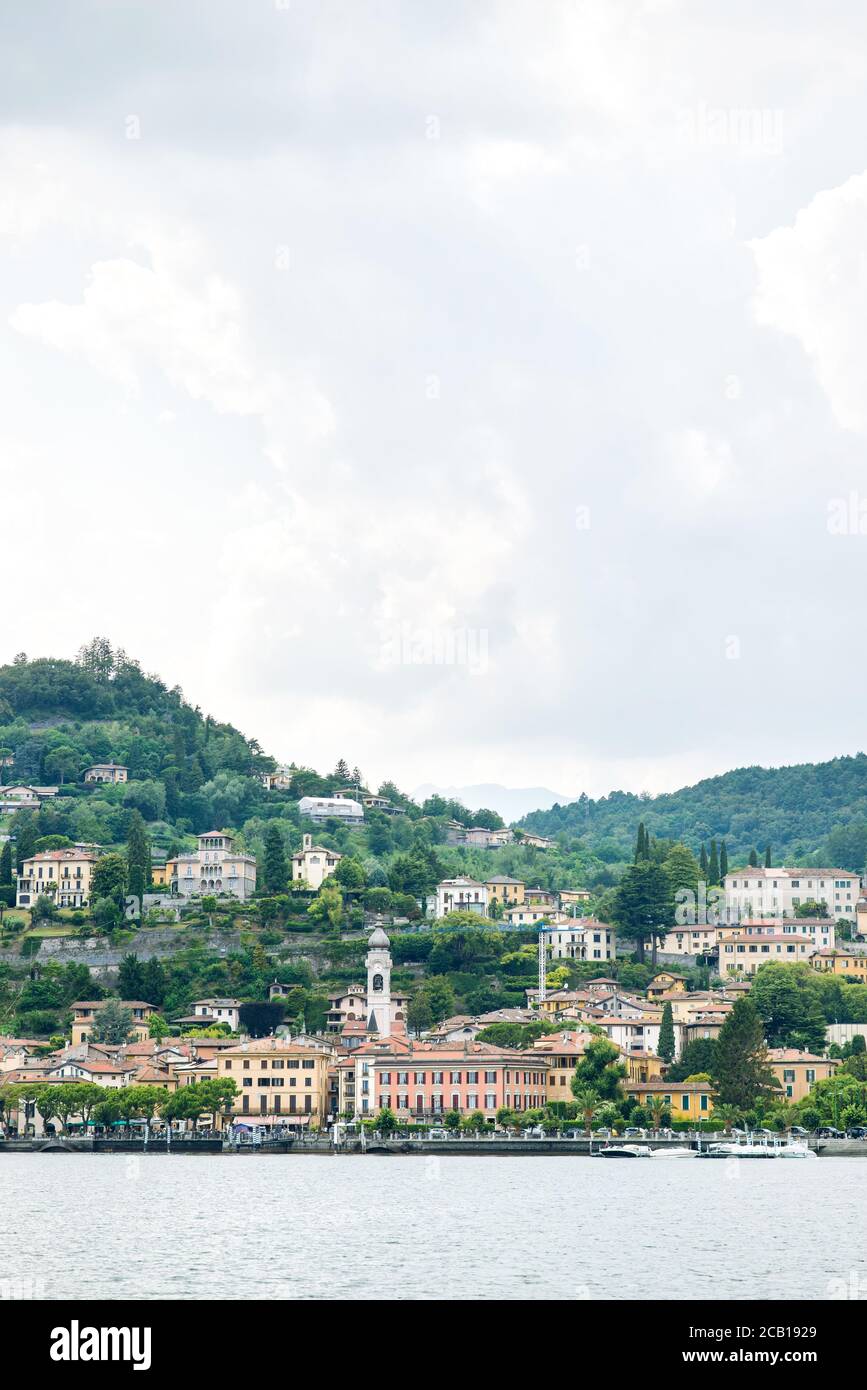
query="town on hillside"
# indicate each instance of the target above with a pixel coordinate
(196, 937)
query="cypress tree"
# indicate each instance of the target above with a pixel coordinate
(723, 862)
(274, 870)
(713, 866)
(665, 1048)
(754, 859)
(702, 863)
(642, 844)
(767, 856)
(740, 1071)
(138, 856)
(6, 865)
(25, 841)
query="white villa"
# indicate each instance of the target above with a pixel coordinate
(322, 808)
(215, 867)
(570, 939)
(760, 892)
(311, 864)
(461, 895)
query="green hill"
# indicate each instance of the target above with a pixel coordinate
(809, 813)
(189, 773)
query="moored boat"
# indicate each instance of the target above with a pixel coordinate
(623, 1151)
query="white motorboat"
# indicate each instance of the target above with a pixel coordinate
(623, 1151)
(674, 1153)
(746, 1146)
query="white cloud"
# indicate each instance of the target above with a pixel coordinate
(812, 284)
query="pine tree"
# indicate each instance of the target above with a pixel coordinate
(702, 863)
(341, 772)
(138, 857)
(274, 869)
(665, 1047)
(740, 1070)
(754, 859)
(723, 862)
(767, 856)
(713, 866)
(6, 865)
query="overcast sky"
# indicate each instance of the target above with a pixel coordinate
(476, 391)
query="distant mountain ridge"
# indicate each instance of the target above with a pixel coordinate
(800, 810)
(509, 802)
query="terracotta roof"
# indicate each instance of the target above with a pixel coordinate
(791, 1054)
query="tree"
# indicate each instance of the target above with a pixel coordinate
(261, 1017)
(62, 762)
(697, 1056)
(666, 1046)
(327, 906)
(642, 844)
(601, 1070)
(787, 1001)
(112, 1023)
(702, 863)
(142, 1102)
(713, 866)
(349, 872)
(109, 879)
(130, 978)
(275, 872)
(589, 1104)
(741, 1074)
(754, 858)
(723, 862)
(6, 865)
(682, 871)
(767, 856)
(138, 856)
(642, 905)
(419, 1014)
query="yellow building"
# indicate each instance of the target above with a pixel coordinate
(741, 952)
(64, 873)
(797, 1072)
(851, 962)
(509, 892)
(562, 1051)
(665, 983)
(688, 1100)
(84, 1015)
(161, 875)
(643, 1066)
(280, 1081)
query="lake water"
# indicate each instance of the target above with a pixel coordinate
(351, 1227)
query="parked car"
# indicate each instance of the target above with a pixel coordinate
(602, 1134)
(534, 1132)
(856, 1132)
(829, 1132)
(634, 1132)
(799, 1132)
(440, 1133)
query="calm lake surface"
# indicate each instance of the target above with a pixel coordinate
(304, 1227)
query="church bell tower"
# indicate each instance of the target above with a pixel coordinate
(378, 963)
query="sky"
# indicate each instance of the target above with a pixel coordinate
(473, 392)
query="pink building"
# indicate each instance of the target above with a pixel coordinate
(421, 1081)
